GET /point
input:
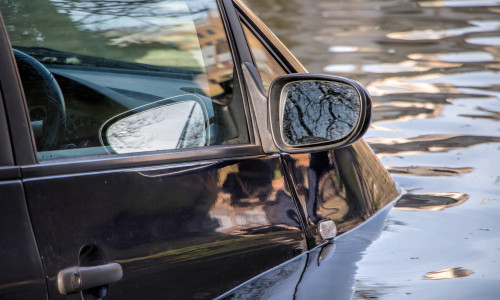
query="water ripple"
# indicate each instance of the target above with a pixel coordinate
(462, 57)
(430, 201)
(427, 143)
(459, 3)
(484, 40)
(436, 34)
(429, 171)
(434, 83)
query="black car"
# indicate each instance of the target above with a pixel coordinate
(171, 149)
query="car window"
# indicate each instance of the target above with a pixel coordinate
(268, 67)
(105, 77)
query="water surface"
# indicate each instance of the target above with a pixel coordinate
(433, 70)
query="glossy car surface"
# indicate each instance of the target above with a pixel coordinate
(214, 211)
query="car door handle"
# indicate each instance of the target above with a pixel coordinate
(77, 279)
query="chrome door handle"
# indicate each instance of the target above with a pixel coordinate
(77, 279)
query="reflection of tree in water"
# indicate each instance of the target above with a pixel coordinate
(316, 111)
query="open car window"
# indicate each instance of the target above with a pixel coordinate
(108, 77)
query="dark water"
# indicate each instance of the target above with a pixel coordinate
(433, 69)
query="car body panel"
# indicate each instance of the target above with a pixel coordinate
(325, 272)
(183, 223)
(167, 225)
(22, 271)
(347, 185)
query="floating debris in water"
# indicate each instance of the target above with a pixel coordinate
(448, 274)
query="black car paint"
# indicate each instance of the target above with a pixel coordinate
(22, 275)
(347, 185)
(162, 225)
(326, 272)
(171, 247)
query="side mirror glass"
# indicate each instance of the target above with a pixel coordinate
(158, 126)
(317, 112)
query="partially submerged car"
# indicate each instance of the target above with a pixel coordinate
(171, 149)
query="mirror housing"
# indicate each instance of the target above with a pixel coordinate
(317, 112)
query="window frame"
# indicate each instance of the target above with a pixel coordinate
(266, 48)
(273, 45)
(265, 43)
(7, 169)
(23, 140)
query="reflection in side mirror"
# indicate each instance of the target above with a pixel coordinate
(314, 112)
(318, 111)
(158, 126)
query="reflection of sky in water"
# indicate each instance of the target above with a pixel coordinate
(466, 121)
(340, 68)
(484, 40)
(341, 49)
(433, 244)
(476, 56)
(433, 83)
(459, 3)
(404, 66)
(471, 79)
(435, 34)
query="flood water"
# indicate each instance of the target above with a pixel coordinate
(433, 70)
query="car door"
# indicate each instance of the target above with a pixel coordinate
(191, 218)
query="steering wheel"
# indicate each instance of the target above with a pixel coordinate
(45, 101)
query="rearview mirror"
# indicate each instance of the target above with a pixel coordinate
(313, 112)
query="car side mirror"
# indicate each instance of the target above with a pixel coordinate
(316, 112)
(180, 122)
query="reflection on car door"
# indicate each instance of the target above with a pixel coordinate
(191, 230)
